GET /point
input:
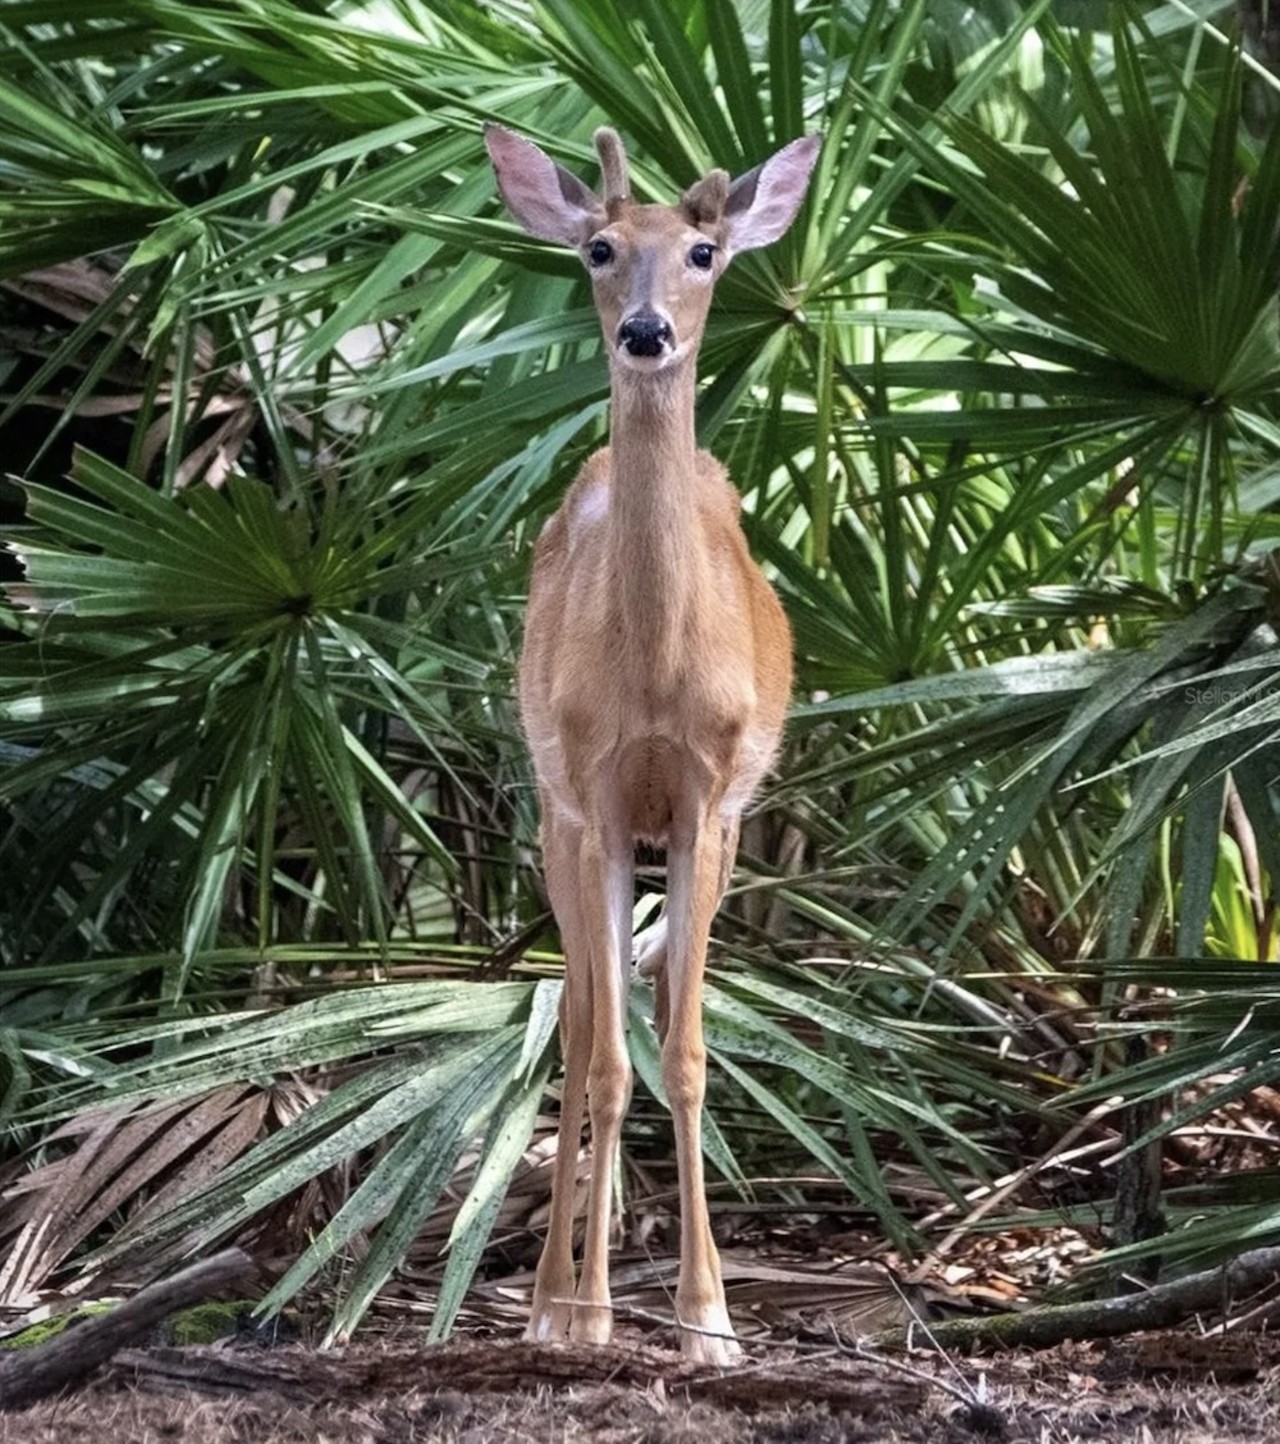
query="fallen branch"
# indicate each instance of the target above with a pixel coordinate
(1160, 1307)
(30, 1374)
(504, 1366)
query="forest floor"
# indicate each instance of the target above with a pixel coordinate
(1179, 1387)
(805, 1377)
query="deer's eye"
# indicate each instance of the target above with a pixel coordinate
(702, 255)
(600, 254)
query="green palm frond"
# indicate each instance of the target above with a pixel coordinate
(237, 663)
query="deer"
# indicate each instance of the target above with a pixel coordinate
(653, 681)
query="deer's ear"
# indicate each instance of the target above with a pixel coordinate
(763, 203)
(545, 198)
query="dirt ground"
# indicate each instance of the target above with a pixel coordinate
(1153, 1389)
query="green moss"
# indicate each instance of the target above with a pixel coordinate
(200, 1325)
(36, 1334)
(204, 1323)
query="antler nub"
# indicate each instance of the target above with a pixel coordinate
(706, 199)
(613, 167)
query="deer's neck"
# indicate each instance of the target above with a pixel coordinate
(653, 511)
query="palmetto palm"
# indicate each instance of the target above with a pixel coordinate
(1002, 408)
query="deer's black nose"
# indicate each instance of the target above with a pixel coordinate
(644, 334)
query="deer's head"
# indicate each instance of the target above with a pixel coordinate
(652, 267)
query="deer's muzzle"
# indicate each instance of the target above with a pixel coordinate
(645, 334)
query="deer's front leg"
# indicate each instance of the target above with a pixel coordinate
(695, 867)
(650, 946)
(605, 872)
(553, 1292)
